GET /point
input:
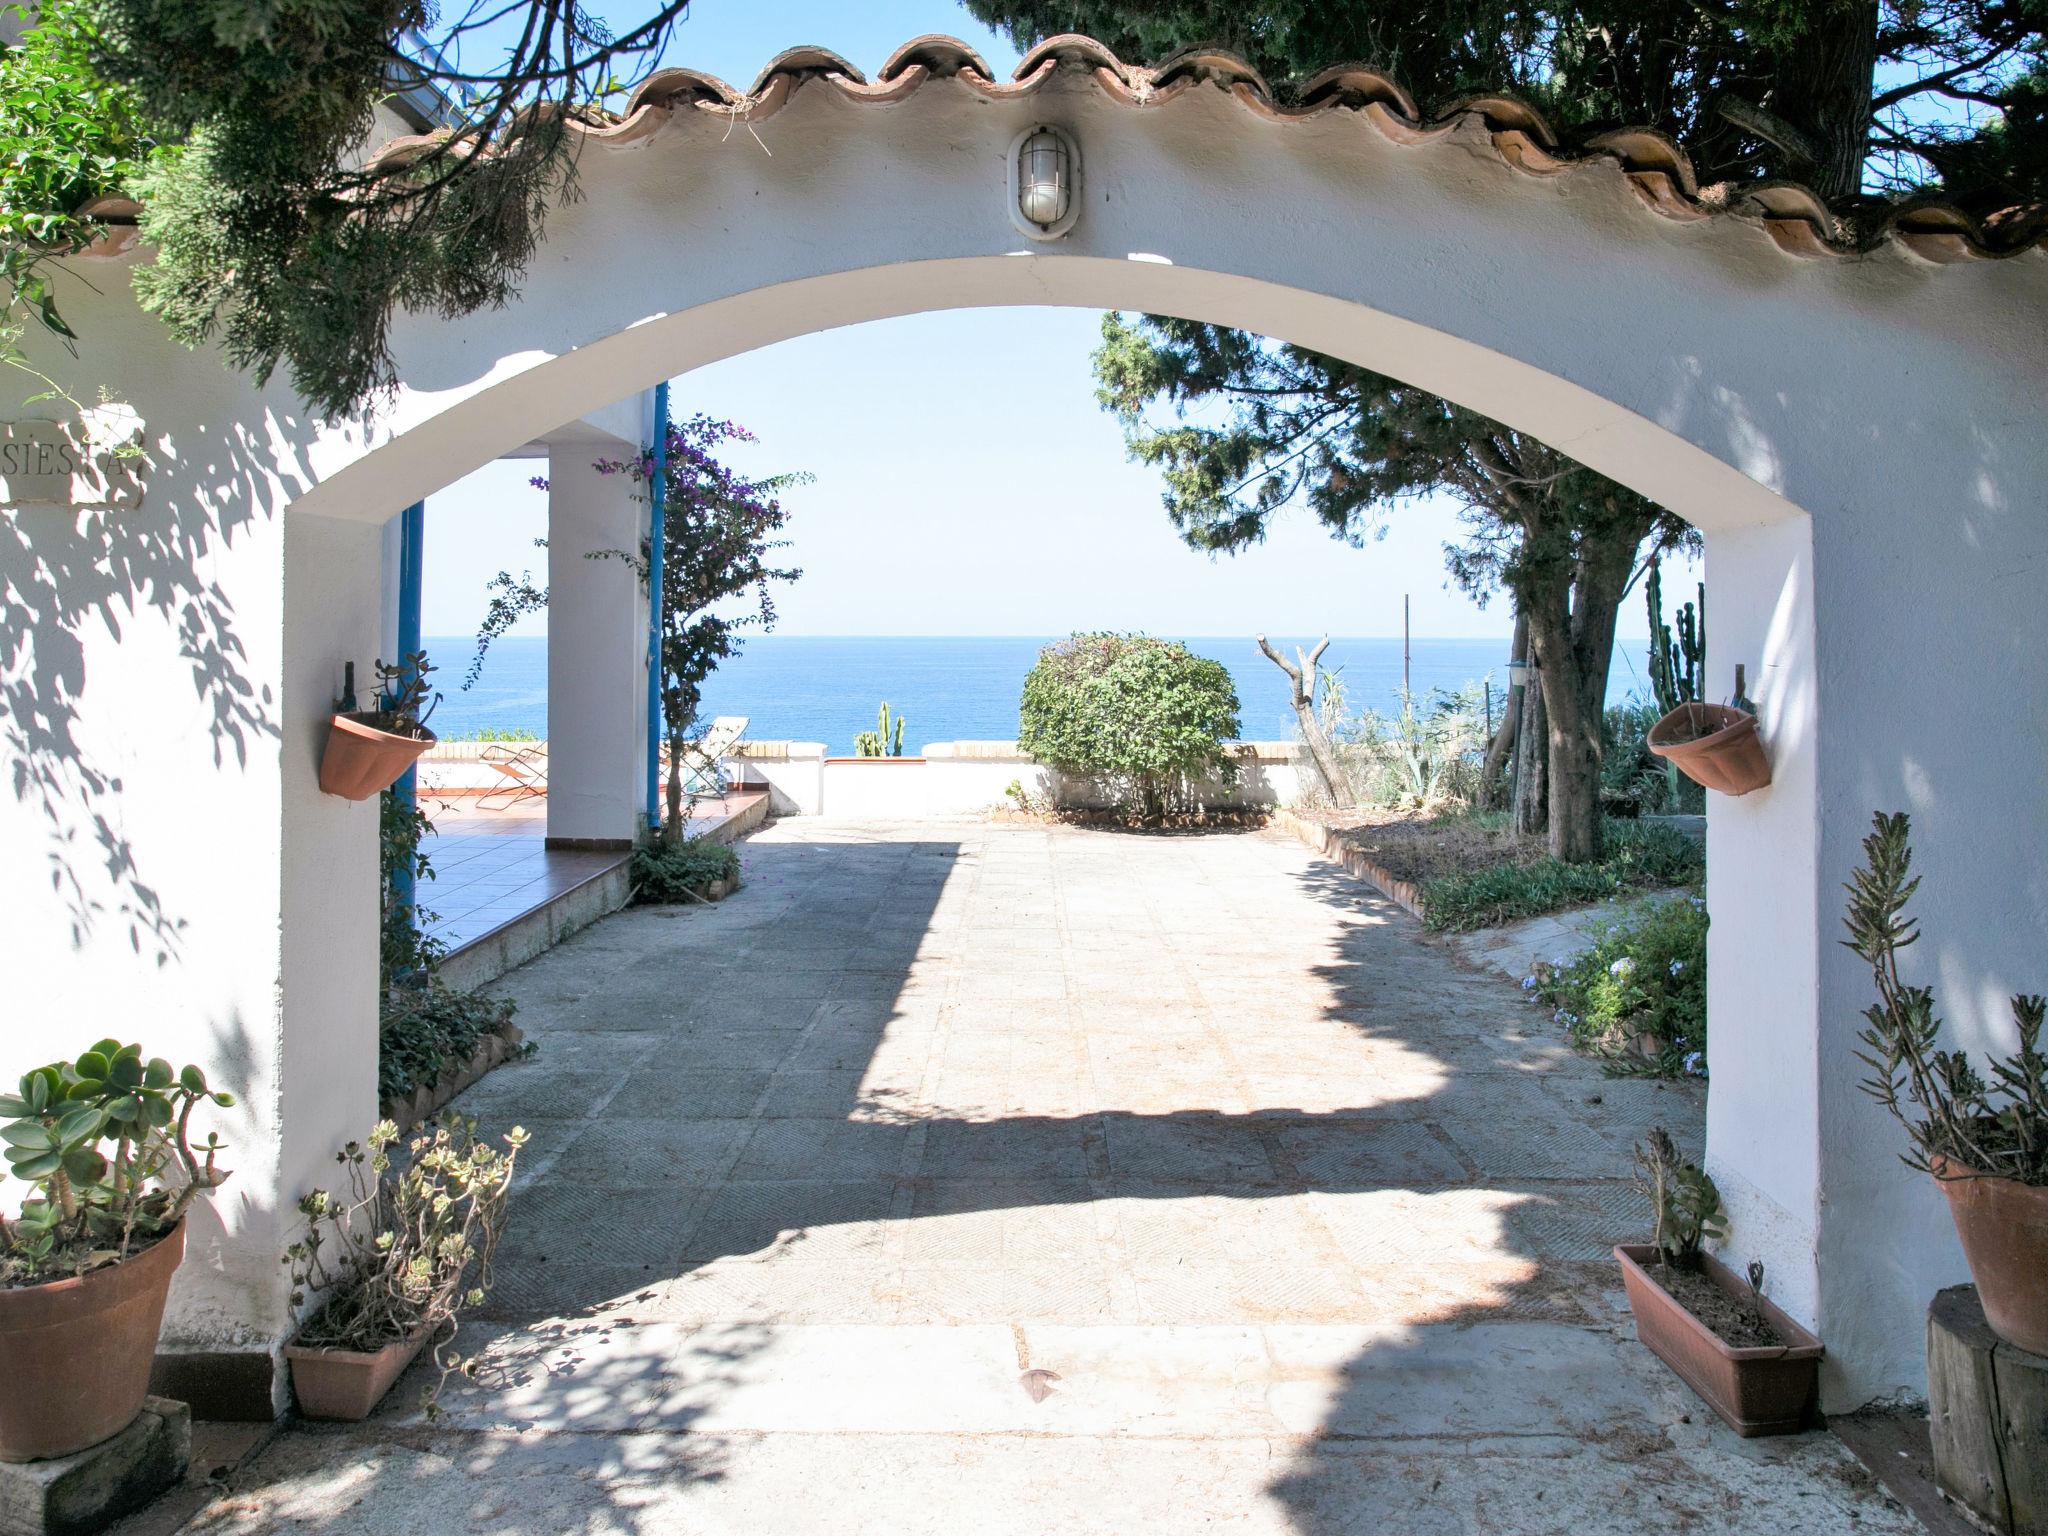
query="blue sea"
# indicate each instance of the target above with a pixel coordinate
(823, 688)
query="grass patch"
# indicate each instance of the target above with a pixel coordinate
(1640, 856)
(1646, 974)
(664, 874)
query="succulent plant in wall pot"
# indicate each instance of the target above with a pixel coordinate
(105, 1144)
(1984, 1140)
(391, 1265)
(369, 750)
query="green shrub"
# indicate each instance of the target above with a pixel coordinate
(667, 873)
(1142, 717)
(1644, 974)
(426, 1029)
(1640, 856)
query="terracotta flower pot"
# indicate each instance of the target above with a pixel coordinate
(1714, 746)
(346, 1383)
(1758, 1391)
(75, 1354)
(360, 759)
(2003, 1225)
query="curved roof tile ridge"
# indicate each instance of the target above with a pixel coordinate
(1656, 167)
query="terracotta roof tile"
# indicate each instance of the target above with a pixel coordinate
(1657, 169)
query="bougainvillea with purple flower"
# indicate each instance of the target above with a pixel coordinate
(720, 533)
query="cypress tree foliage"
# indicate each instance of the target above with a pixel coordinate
(1752, 88)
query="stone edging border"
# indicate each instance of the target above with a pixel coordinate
(425, 1102)
(1404, 894)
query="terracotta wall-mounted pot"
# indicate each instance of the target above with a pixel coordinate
(2003, 1225)
(1771, 1390)
(360, 759)
(346, 1383)
(1714, 746)
(75, 1354)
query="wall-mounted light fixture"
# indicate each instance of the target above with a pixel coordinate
(1045, 182)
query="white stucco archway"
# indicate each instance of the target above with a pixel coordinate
(1858, 436)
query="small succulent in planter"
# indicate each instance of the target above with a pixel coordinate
(370, 749)
(396, 1259)
(1685, 1204)
(1755, 1367)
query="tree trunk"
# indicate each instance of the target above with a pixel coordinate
(672, 828)
(1824, 91)
(1574, 729)
(1572, 633)
(1493, 791)
(1302, 695)
(1532, 768)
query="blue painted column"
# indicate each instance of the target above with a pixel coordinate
(412, 540)
(657, 490)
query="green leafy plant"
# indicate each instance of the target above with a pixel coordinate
(67, 137)
(409, 1246)
(880, 742)
(425, 1029)
(1685, 1204)
(106, 1143)
(404, 699)
(1145, 718)
(1637, 855)
(1645, 975)
(664, 874)
(1414, 758)
(1996, 1129)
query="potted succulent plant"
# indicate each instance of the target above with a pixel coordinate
(105, 1143)
(395, 1261)
(1714, 745)
(1756, 1368)
(368, 750)
(1985, 1143)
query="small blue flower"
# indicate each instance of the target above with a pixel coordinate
(1696, 1064)
(1621, 967)
(1528, 983)
(1677, 967)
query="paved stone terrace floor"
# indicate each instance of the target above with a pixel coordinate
(976, 1177)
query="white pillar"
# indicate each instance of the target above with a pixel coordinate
(597, 644)
(1764, 896)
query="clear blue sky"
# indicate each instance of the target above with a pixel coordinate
(927, 516)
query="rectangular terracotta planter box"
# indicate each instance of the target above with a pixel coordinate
(1761, 1391)
(346, 1383)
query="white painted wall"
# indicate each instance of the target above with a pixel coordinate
(794, 772)
(1894, 402)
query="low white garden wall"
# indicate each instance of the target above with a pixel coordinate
(952, 778)
(964, 778)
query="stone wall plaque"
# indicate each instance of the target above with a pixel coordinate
(52, 463)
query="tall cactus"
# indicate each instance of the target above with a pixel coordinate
(881, 742)
(1676, 664)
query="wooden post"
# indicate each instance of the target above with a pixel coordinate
(1987, 1414)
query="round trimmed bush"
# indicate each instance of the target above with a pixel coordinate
(1145, 718)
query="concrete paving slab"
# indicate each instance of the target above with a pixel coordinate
(1014, 1178)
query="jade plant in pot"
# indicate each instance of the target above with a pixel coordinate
(1985, 1142)
(395, 1261)
(105, 1143)
(368, 750)
(1756, 1368)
